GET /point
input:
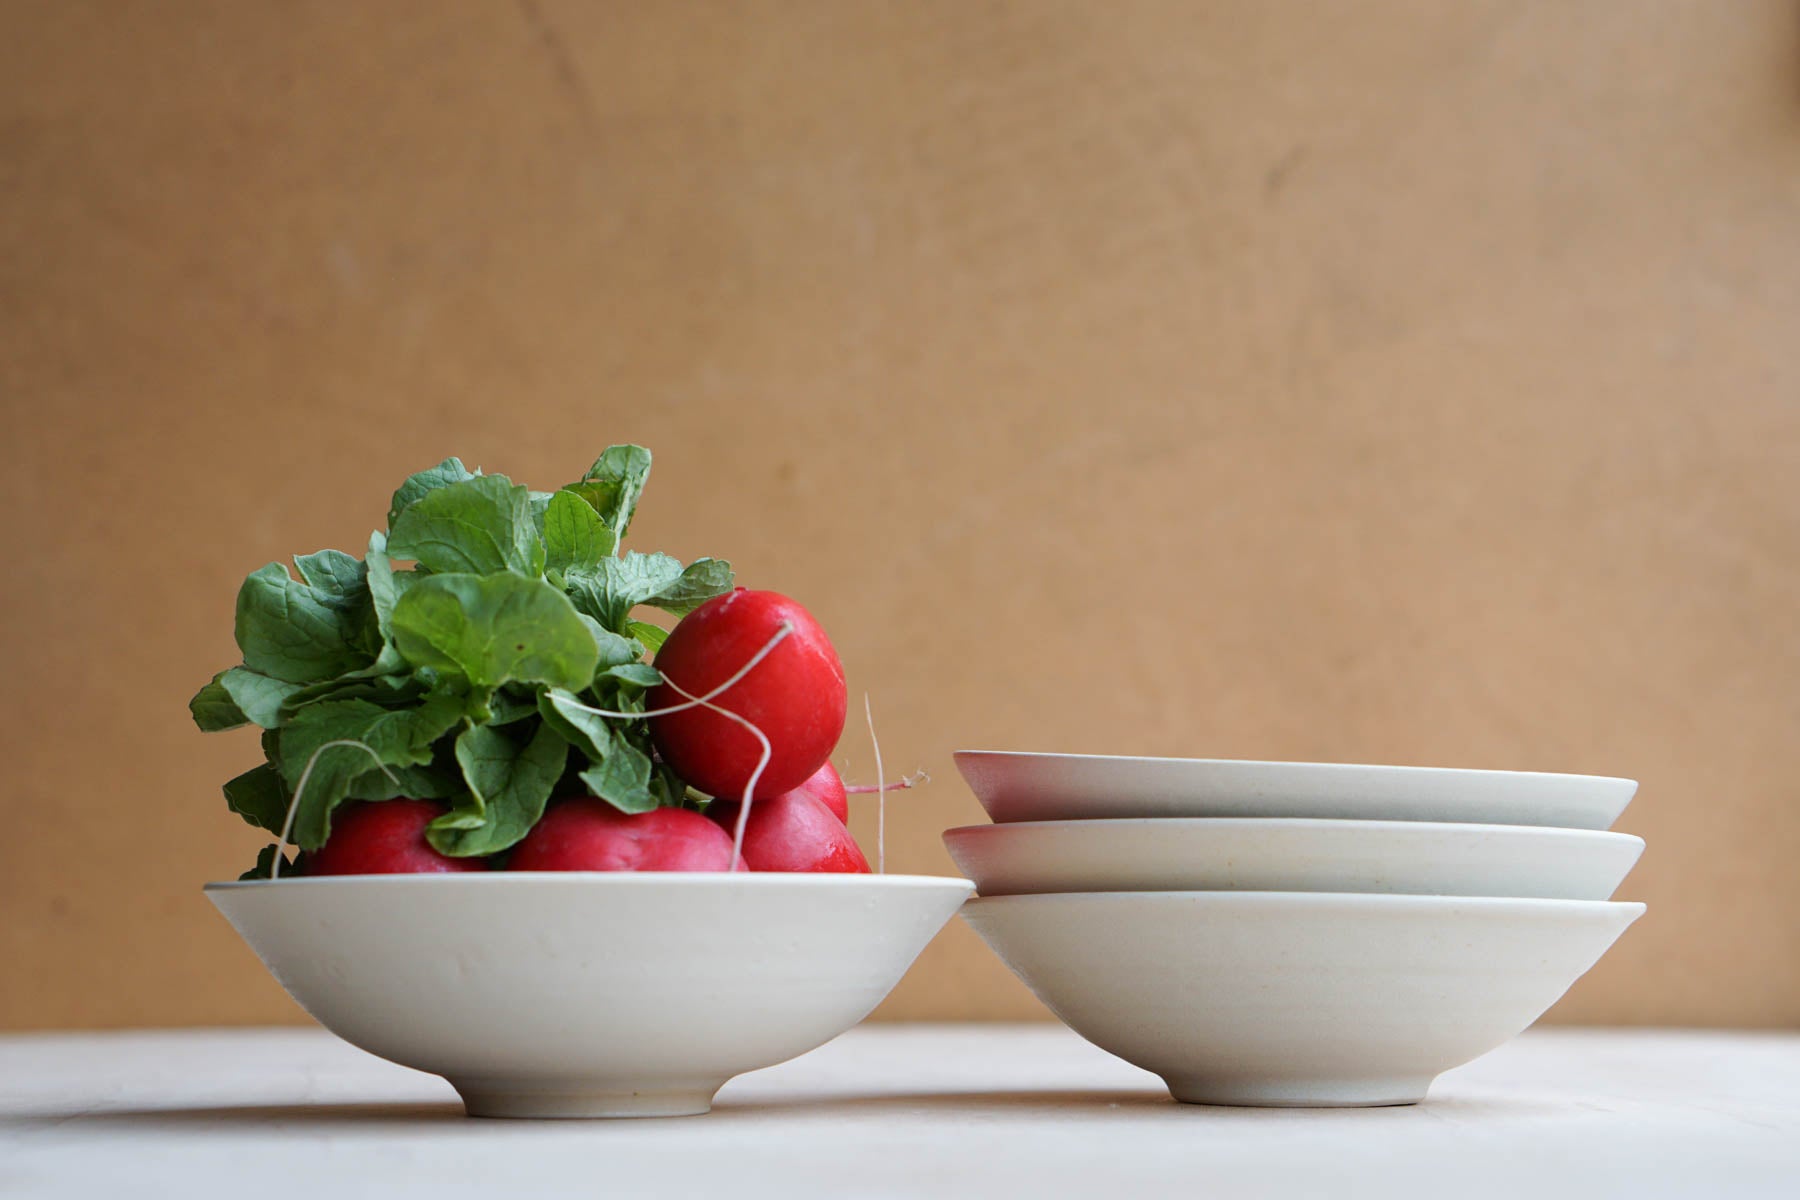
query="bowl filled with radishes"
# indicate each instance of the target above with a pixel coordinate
(579, 858)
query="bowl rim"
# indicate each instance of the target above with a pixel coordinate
(1518, 905)
(1349, 826)
(615, 879)
(959, 755)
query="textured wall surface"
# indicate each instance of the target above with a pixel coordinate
(1410, 382)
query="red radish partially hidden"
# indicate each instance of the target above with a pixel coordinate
(792, 832)
(827, 788)
(585, 834)
(796, 695)
(384, 837)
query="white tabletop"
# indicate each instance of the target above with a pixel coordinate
(991, 1111)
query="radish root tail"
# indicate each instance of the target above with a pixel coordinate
(880, 793)
(899, 785)
(762, 763)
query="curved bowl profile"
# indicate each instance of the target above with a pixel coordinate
(1020, 786)
(1252, 854)
(589, 994)
(1297, 999)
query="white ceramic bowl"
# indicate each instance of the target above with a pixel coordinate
(589, 994)
(1296, 999)
(1251, 854)
(1014, 786)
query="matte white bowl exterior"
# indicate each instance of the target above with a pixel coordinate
(552, 994)
(1251, 854)
(1015, 786)
(1296, 999)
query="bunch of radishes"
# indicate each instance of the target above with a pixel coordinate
(795, 695)
(499, 704)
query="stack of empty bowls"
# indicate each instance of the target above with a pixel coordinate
(1299, 934)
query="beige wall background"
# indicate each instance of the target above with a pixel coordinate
(1412, 382)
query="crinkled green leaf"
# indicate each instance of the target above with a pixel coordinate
(652, 636)
(258, 697)
(213, 708)
(495, 629)
(614, 483)
(339, 578)
(344, 740)
(610, 592)
(623, 778)
(289, 631)
(479, 526)
(416, 486)
(703, 579)
(509, 781)
(259, 796)
(575, 538)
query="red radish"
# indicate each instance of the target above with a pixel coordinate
(796, 695)
(825, 787)
(793, 832)
(585, 834)
(384, 837)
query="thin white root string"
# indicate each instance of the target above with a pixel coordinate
(287, 824)
(880, 793)
(768, 752)
(693, 701)
(899, 785)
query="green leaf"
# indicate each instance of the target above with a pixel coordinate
(213, 708)
(613, 648)
(495, 629)
(259, 796)
(340, 580)
(623, 778)
(614, 483)
(509, 784)
(480, 526)
(703, 579)
(540, 505)
(265, 864)
(291, 632)
(509, 705)
(588, 732)
(385, 688)
(575, 538)
(384, 584)
(258, 697)
(435, 782)
(610, 593)
(416, 486)
(345, 740)
(652, 636)
(637, 674)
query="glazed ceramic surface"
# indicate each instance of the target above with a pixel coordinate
(1296, 999)
(589, 994)
(1273, 855)
(1015, 786)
